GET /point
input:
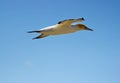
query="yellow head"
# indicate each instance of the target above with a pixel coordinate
(83, 27)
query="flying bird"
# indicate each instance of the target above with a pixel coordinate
(62, 27)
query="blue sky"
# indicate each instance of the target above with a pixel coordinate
(82, 57)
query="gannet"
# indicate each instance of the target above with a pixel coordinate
(62, 27)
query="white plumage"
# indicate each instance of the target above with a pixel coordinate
(63, 27)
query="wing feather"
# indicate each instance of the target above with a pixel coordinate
(70, 21)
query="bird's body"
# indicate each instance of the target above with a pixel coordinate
(63, 27)
(56, 30)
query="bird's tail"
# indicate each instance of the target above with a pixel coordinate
(33, 31)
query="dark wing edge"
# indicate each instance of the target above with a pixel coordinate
(33, 31)
(64, 21)
(70, 19)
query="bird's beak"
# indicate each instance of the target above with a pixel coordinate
(86, 28)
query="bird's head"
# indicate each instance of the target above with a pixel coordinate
(83, 27)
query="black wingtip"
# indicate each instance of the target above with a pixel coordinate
(82, 18)
(33, 31)
(33, 38)
(30, 32)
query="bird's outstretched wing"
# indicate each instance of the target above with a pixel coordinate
(68, 22)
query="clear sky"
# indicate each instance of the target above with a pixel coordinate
(81, 57)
